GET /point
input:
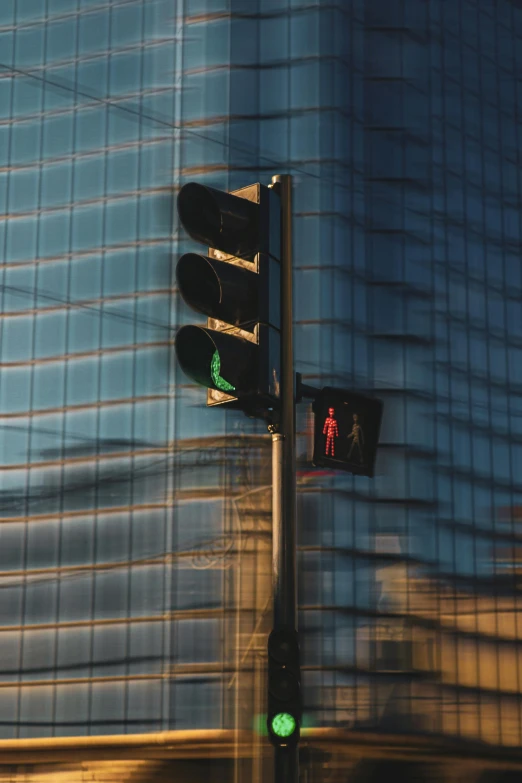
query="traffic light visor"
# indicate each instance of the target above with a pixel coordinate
(219, 219)
(198, 283)
(218, 289)
(199, 212)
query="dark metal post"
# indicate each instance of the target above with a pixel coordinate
(284, 569)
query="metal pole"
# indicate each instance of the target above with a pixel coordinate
(284, 553)
(277, 523)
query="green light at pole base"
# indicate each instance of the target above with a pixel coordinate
(215, 367)
(283, 724)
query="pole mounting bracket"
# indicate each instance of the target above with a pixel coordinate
(303, 391)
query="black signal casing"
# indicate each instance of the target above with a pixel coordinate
(238, 286)
(284, 682)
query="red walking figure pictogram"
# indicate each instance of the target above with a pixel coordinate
(331, 430)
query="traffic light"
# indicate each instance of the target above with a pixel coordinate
(346, 430)
(236, 356)
(284, 688)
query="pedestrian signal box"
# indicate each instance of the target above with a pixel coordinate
(346, 432)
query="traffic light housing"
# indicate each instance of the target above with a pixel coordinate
(236, 356)
(284, 688)
(346, 430)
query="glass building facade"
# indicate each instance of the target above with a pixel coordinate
(134, 522)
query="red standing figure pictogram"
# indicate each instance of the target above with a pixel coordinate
(331, 430)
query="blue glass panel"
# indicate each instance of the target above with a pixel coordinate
(49, 335)
(61, 39)
(76, 542)
(196, 703)
(90, 125)
(82, 379)
(15, 390)
(40, 601)
(146, 590)
(36, 711)
(57, 136)
(73, 648)
(126, 24)
(38, 654)
(146, 648)
(209, 93)
(197, 588)
(107, 706)
(42, 545)
(72, 708)
(21, 240)
(197, 641)
(93, 32)
(144, 705)
(109, 649)
(9, 699)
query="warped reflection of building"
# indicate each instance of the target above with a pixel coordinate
(102, 625)
(444, 660)
(134, 522)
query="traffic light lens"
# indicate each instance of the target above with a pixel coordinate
(283, 724)
(216, 360)
(283, 646)
(215, 367)
(199, 212)
(284, 685)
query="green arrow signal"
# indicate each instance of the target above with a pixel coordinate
(215, 367)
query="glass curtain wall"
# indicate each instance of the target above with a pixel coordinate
(441, 648)
(108, 497)
(135, 523)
